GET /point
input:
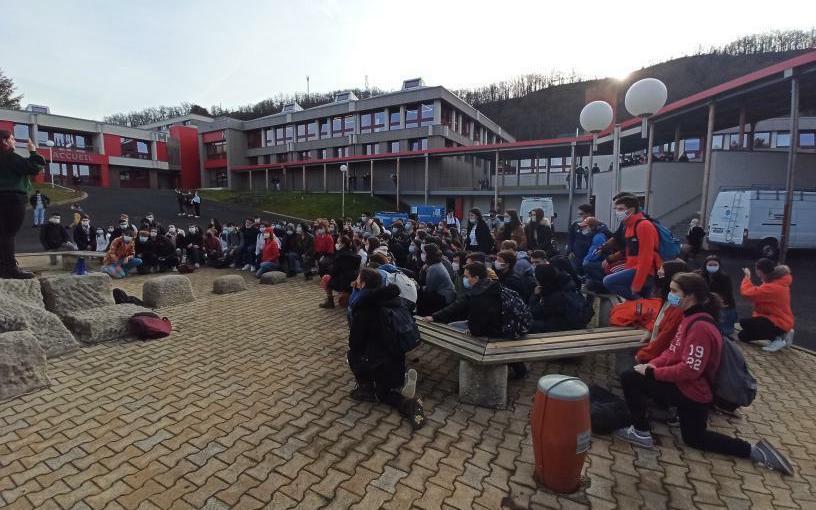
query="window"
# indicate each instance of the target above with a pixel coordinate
(283, 158)
(395, 120)
(131, 148)
(337, 126)
(783, 139)
(325, 129)
(379, 121)
(465, 126)
(762, 140)
(395, 147)
(418, 144)
(717, 142)
(411, 116)
(371, 149)
(734, 142)
(290, 133)
(303, 156)
(311, 131)
(280, 137)
(301, 132)
(348, 125)
(21, 134)
(692, 145)
(323, 153)
(254, 139)
(365, 122)
(426, 114)
(341, 152)
(807, 139)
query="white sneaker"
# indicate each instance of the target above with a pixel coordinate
(630, 435)
(409, 389)
(253, 268)
(196, 265)
(777, 344)
(789, 337)
(245, 268)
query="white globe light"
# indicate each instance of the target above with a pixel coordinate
(596, 116)
(646, 97)
(344, 168)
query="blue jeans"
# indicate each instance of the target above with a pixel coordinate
(620, 283)
(728, 317)
(594, 271)
(39, 215)
(294, 262)
(132, 264)
(265, 267)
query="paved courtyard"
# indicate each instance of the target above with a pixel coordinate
(246, 406)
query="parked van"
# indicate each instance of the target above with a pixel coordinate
(543, 203)
(753, 219)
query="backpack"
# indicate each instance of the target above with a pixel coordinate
(733, 386)
(580, 309)
(515, 314)
(668, 246)
(640, 313)
(404, 334)
(407, 286)
(607, 411)
(148, 326)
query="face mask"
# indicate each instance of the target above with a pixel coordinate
(123, 225)
(712, 269)
(466, 283)
(110, 229)
(55, 221)
(499, 265)
(290, 232)
(674, 299)
(621, 215)
(338, 246)
(154, 234)
(85, 223)
(127, 239)
(172, 230)
(149, 218)
(409, 229)
(143, 239)
(423, 257)
(394, 231)
(100, 232)
(472, 219)
(320, 231)
(412, 248)
(364, 219)
(586, 231)
(191, 230)
(455, 266)
(299, 230)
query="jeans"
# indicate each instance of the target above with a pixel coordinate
(758, 328)
(594, 271)
(265, 267)
(728, 317)
(39, 215)
(293, 260)
(620, 283)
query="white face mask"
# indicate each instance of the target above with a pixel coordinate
(499, 265)
(338, 246)
(191, 230)
(455, 266)
(172, 230)
(123, 226)
(290, 232)
(586, 230)
(127, 239)
(143, 239)
(621, 215)
(154, 234)
(712, 268)
(55, 221)
(472, 219)
(299, 230)
(320, 231)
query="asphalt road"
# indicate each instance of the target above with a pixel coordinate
(105, 205)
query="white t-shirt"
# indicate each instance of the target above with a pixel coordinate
(473, 241)
(363, 257)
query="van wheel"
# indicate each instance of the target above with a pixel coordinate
(769, 248)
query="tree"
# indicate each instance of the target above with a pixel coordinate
(7, 97)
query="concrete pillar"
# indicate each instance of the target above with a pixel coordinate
(304, 178)
(483, 385)
(742, 121)
(437, 113)
(707, 165)
(791, 168)
(284, 178)
(426, 179)
(250, 180)
(496, 187)
(536, 168)
(325, 181)
(649, 159)
(676, 143)
(398, 171)
(547, 165)
(267, 180)
(572, 180)
(371, 177)
(154, 150)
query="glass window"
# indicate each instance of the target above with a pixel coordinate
(84, 170)
(337, 126)
(290, 133)
(692, 144)
(325, 131)
(807, 139)
(21, 134)
(301, 132)
(783, 139)
(280, 139)
(42, 137)
(372, 148)
(323, 153)
(141, 147)
(734, 141)
(426, 114)
(379, 121)
(762, 140)
(303, 155)
(254, 139)
(348, 125)
(365, 123)
(395, 120)
(311, 131)
(395, 147)
(411, 116)
(717, 142)
(342, 152)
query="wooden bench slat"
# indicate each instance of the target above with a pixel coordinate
(558, 353)
(587, 344)
(449, 330)
(443, 340)
(462, 353)
(535, 340)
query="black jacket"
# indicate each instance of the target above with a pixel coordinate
(344, 270)
(720, 283)
(539, 237)
(144, 250)
(195, 239)
(511, 280)
(85, 241)
(481, 307)
(15, 171)
(163, 247)
(368, 337)
(52, 236)
(45, 200)
(483, 237)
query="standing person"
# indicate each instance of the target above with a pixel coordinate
(642, 257)
(196, 201)
(85, 235)
(249, 235)
(694, 238)
(681, 376)
(478, 233)
(719, 282)
(512, 230)
(370, 226)
(538, 232)
(54, 236)
(772, 318)
(180, 200)
(579, 176)
(15, 172)
(453, 222)
(39, 203)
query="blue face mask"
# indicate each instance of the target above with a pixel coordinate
(673, 299)
(712, 269)
(466, 283)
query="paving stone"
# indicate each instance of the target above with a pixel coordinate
(23, 367)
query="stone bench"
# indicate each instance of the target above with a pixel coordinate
(273, 277)
(483, 361)
(229, 284)
(100, 324)
(23, 367)
(168, 290)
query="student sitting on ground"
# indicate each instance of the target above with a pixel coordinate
(166, 257)
(374, 354)
(772, 318)
(719, 282)
(682, 376)
(270, 255)
(144, 251)
(193, 243)
(121, 257)
(213, 249)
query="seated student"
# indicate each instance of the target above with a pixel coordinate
(682, 376)
(213, 249)
(55, 237)
(193, 243)
(480, 257)
(593, 261)
(270, 255)
(101, 240)
(144, 251)
(772, 318)
(359, 248)
(164, 251)
(323, 247)
(231, 244)
(249, 239)
(538, 257)
(344, 270)
(504, 266)
(84, 237)
(668, 318)
(719, 282)
(479, 311)
(121, 256)
(437, 288)
(556, 305)
(293, 250)
(374, 358)
(458, 263)
(641, 251)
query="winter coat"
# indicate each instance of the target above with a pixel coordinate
(579, 243)
(43, 198)
(307, 244)
(163, 247)
(193, 239)
(271, 251)
(517, 234)
(641, 249)
(344, 270)
(438, 280)
(720, 283)
(119, 250)
(369, 339)
(144, 250)
(481, 307)
(593, 253)
(772, 299)
(52, 236)
(85, 240)
(666, 331)
(15, 170)
(512, 281)
(483, 238)
(248, 236)
(323, 244)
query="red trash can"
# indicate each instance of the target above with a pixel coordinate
(561, 431)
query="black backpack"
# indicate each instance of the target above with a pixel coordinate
(607, 411)
(580, 309)
(515, 314)
(403, 332)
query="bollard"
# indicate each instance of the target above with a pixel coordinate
(561, 431)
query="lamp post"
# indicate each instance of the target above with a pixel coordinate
(50, 144)
(595, 117)
(344, 174)
(643, 99)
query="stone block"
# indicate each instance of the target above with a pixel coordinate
(47, 328)
(23, 367)
(483, 385)
(228, 284)
(168, 290)
(100, 324)
(65, 294)
(273, 277)
(27, 291)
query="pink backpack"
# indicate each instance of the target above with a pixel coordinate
(149, 326)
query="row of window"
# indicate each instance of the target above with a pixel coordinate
(369, 149)
(763, 140)
(130, 147)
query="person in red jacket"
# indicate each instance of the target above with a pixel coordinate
(323, 247)
(682, 376)
(772, 318)
(669, 317)
(270, 256)
(642, 256)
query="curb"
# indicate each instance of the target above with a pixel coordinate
(83, 196)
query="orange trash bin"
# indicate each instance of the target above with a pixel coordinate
(561, 431)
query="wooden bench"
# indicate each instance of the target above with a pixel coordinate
(483, 361)
(93, 259)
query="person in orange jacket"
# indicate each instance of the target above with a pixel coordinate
(642, 256)
(772, 318)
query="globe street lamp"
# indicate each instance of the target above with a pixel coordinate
(643, 99)
(595, 117)
(50, 144)
(344, 175)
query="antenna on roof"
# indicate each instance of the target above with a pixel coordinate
(366, 83)
(307, 85)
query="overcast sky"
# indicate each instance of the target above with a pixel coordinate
(89, 58)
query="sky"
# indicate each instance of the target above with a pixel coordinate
(91, 58)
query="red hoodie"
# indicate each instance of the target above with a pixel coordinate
(772, 298)
(271, 252)
(693, 358)
(323, 244)
(641, 249)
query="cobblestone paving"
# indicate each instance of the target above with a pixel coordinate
(246, 406)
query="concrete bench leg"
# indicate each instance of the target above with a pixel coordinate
(483, 385)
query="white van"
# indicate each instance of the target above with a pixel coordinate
(543, 203)
(753, 219)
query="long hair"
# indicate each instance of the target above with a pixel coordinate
(670, 268)
(511, 225)
(478, 213)
(692, 284)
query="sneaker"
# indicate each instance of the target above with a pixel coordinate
(789, 337)
(772, 459)
(245, 268)
(253, 268)
(409, 389)
(197, 265)
(630, 435)
(777, 344)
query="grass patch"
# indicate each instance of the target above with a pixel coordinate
(302, 205)
(56, 194)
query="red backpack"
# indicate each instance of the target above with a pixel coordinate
(149, 326)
